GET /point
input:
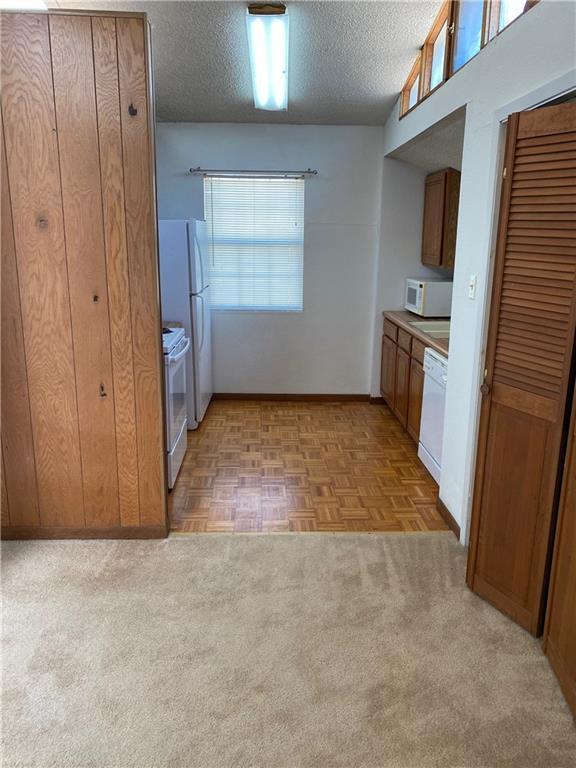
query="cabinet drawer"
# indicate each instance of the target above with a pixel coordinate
(418, 351)
(390, 330)
(404, 340)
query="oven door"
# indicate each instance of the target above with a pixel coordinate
(175, 392)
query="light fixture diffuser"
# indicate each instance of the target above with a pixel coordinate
(268, 46)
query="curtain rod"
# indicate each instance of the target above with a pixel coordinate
(253, 174)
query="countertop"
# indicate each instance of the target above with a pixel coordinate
(402, 319)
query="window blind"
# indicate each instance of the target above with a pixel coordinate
(256, 242)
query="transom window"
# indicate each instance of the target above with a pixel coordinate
(256, 242)
(459, 32)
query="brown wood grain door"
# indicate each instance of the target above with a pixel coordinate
(388, 370)
(560, 631)
(433, 222)
(529, 357)
(82, 371)
(402, 388)
(415, 399)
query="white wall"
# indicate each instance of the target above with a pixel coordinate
(328, 347)
(533, 53)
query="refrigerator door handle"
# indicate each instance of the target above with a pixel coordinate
(202, 315)
(199, 259)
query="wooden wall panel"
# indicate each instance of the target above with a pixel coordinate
(112, 180)
(32, 160)
(75, 100)
(142, 255)
(560, 633)
(17, 443)
(4, 508)
(83, 450)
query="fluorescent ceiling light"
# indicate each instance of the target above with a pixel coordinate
(23, 5)
(268, 45)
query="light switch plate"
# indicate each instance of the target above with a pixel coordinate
(472, 287)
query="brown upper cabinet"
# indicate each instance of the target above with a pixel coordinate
(441, 194)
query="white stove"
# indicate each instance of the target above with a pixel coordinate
(170, 338)
(175, 346)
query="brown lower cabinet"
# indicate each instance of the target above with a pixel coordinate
(388, 371)
(402, 386)
(402, 376)
(415, 398)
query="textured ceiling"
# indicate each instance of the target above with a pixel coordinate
(438, 147)
(348, 60)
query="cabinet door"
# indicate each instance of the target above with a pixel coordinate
(528, 364)
(450, 222)
(415, 399)
(388, 370)
(433, 225)
(402, 386)
(561, 619)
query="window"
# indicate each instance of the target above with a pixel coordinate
(256, 242)
(434, 51)
(438, 57)
(461, 29)
(411, 92)
(503, 12)
(509, 10)
(468, 32)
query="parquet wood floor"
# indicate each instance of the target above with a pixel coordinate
(268, 466)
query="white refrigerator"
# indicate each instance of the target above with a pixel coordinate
(184, 290)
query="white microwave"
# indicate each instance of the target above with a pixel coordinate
(428, 297)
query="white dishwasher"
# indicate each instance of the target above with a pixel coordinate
(432, 421)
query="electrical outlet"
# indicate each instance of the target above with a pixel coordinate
(472, 287)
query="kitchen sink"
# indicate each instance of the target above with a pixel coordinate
(431, 326)
(438, 334)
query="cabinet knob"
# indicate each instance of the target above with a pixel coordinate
(102, 391)
(485, 388)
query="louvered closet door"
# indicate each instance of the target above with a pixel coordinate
(529, 359)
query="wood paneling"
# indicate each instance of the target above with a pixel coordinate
(4, 508)
(80, 280)
(17, 445)
(142, 257)
(529, 358)
(560, 636)
(112, 180)
(34, 178)
(73, 74)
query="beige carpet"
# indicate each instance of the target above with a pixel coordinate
(283, 651)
